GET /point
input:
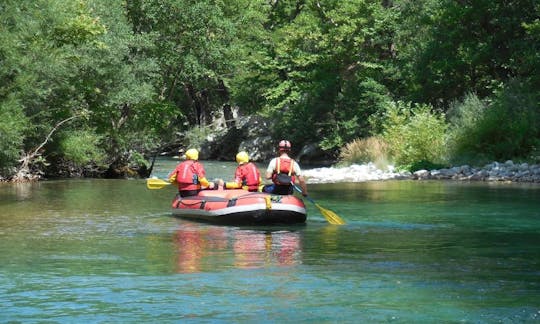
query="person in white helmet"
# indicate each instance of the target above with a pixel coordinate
(190, 175)
(246, 176)
(284, 172)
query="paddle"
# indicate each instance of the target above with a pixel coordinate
(153, 183)
(330, 216)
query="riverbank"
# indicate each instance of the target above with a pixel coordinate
(495, 171)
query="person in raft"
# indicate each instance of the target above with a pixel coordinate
(246, 176)
(284, 172)
(190, 175)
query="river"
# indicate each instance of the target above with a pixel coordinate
(108, 251)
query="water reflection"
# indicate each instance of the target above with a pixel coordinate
(202, 248)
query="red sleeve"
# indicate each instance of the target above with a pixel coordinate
(238, 174)
(199, 169)
(174, 171)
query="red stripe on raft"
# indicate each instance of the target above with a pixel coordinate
(239, 206)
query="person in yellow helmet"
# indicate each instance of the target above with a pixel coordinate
(190, 175)
(246, 176)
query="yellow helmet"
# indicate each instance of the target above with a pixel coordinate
(192, 154)
(242, 157)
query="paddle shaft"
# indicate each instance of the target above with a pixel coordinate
(329, 215)
(300, 191)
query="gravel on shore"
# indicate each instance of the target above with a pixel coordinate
(495, 171)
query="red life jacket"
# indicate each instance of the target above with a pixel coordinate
(250, 176)
(187, 175)
(284, 166)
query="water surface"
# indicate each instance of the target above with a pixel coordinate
(109, 251)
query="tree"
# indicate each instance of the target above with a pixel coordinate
(67, 58)
(465, 46)
(321, 68)
(192, 48)
(35, 72)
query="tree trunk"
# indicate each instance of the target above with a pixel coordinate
(27, 171)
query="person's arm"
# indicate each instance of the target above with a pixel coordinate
(237, 182)
(303, 185)
(205, 184)
(270, 169)
(301, 180)
(233, 185)
(172, 176)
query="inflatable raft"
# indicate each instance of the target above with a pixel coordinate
(240, 207)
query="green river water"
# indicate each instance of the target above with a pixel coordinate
(108, 251)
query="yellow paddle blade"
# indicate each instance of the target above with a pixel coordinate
(330, 216)
(153, 183)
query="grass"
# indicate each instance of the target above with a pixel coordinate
(364, 150)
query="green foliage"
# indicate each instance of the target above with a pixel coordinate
(358, 102)
(530, 64)
(324, 71)
(77, 28)
(137, 160)
(464, 120)
(12, 126)
(414, 133)
(508, 127)
(62, 57)
(449, 49)
(195, 49)
(83, 148)
(320, 70)
(197, 136)
(343, 130)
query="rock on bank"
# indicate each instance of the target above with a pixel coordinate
(495, 171)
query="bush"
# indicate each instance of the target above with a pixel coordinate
(463, 132)
(507, 128)
(13, 124)
(414, 134)
(82, 148)
(197, 136)
(364, 150)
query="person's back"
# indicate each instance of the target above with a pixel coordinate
(190, 175)
(247, 175)
(284, 172)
